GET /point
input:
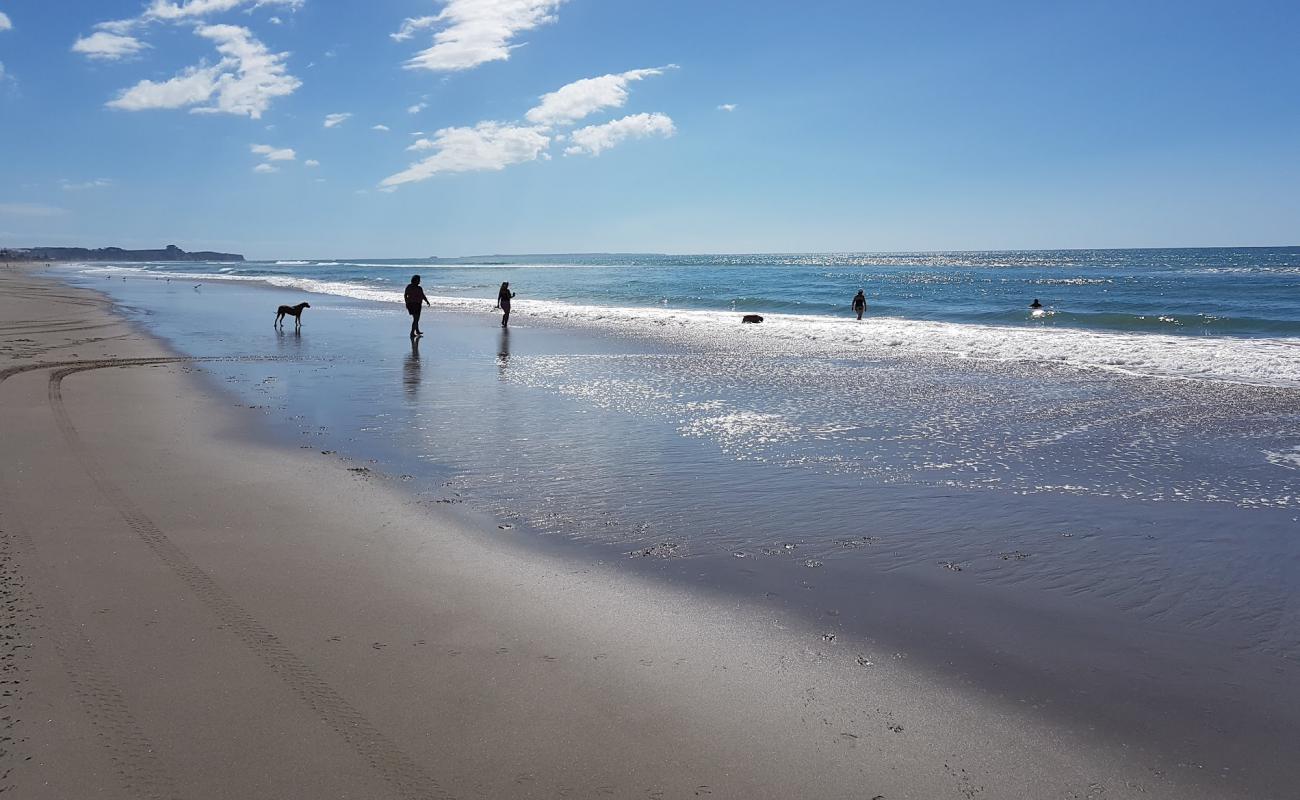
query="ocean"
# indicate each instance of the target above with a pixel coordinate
(1102, 500)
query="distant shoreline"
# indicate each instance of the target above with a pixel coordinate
(170, 253)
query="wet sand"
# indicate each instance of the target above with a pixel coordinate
(193, 614)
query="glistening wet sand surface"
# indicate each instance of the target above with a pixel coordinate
(229, 598)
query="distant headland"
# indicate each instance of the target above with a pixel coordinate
(169, 253)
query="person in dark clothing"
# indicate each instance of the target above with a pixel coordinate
(503, 302)
(859, 303)
(1035, 304)
(413, 296)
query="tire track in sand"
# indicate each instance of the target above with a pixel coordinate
(406, 777)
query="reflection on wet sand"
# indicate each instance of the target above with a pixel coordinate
(288, 342)
(503, 352)
(411, 370)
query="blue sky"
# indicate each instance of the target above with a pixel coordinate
(664, 126)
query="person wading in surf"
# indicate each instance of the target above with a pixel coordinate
(503, 302)
(413, 296)
(859, 303)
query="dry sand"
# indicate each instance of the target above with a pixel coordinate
(193, 615)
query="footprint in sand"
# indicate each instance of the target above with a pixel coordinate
(417, 643)
(453, 652)
(548, 658)
(502, 650)
(335, 639)
(598, 656)
(646, 662)
(379, 645)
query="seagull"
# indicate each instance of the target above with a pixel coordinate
(197, 285)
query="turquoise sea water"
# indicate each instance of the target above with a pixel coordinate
(1213, 291)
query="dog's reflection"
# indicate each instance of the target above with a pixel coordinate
(411, 370)
(285, 341)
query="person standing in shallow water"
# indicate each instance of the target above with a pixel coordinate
(413, 296)
(504, 296)
(859, 303)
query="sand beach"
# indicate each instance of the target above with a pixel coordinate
(199, 610)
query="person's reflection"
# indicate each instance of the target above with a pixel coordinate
(503, 353)
(411, 370)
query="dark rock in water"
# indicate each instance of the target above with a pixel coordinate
(754, 318)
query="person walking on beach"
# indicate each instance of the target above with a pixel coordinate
(413, 296)
(859, 303)
(503, 302)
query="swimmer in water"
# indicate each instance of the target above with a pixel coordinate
(1035, 304)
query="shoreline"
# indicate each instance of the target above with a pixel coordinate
(291, 544)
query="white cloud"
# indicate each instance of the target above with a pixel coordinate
(264, 168)
(244, 81)
(191, 9)
(727, 107)
(108, 46)
(332, 120)
(486, 146)
(192, 86)
(311, 162)
(417, 108)
(275, 20)
(2, 72)
(379, 128)
(474, 32)
(422, 144)
(5, 23)
(595, 139)
(97, 183)
(576, 100)
(118, 25)
(412, 24)
(272, 154)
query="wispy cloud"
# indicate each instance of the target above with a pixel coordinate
(244, 81)
(595, 139)
(273, 154)
(97, 183)
(265, 168)
(473, 32)
(727, 107)
(411, 26)
(576, 100)
(416, 108)
(496, 145)
(30, 210)
(486, 146)
(311, 162)
(334, 120)
(105, 46)
(5, 23)
(384, 128)
(192, 9)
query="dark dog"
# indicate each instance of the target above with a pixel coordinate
(752, 318)
(292, 311)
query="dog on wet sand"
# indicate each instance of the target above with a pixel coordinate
(292, 311)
